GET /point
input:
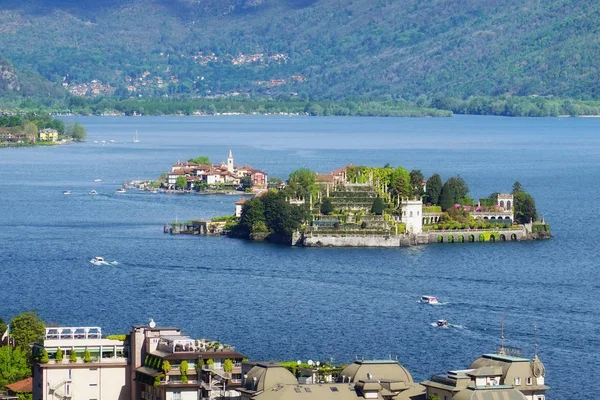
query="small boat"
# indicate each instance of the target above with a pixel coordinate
(93, 192)
(97, 180)
(429, 300)
(67, 192)
(121, 190)
(442, 322)
(101, 261)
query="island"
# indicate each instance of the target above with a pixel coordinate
(361, 206)
(37, 129)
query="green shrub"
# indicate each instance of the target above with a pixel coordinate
(481, 237)
(73, 356)
(44, 357)
(117, 337)
(59, 354)
(166, 366)
(87, 357)
(228, 365)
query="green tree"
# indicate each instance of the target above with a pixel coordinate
(87, 357)
(202, 160)
(458, 188)
(59, 355)
(44, 356)
(524, 208)
(326, 206)
(446, 200)
(400, 183)
(517, 187)
(79, 133)
(13, 365)
(73, 356)
(253, 215)
(302, 182)
(210, 362)
(416, 182)
(246, 182)
(3, 327)
(27, 328)
(378, 206)
(228, 365)
(434, 189)
(181, 182)
(31, 131)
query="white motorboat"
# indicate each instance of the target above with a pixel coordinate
(429, 300)
(442, 323)
(101, 261)
(121, 190)
(93, 192)
(66, 192)
(97, 180)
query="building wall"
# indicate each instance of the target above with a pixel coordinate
(89, 381)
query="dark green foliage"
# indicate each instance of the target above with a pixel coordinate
(458, 189)
(416, 182)
(2, 327)
(73, 356)
(302, 181)
(59, 354)
(253, 217)
(446, 200)
(378, 206)
(326, 206)
(246, 182)
(434, 189)
(524, 208)
(517, 187)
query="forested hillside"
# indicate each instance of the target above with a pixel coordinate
(332, 49)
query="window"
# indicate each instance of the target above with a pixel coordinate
(530, 381)
(517, 381)
(176, 395)
(334, 389)
(93, 384)
(307, 390)
(297, 390)
(70, 377)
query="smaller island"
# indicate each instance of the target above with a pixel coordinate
(359, 206)
(31, 129)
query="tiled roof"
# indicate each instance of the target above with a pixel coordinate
(24, 386)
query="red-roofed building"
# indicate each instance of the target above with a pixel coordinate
(24, 386)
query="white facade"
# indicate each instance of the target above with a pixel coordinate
(412, 211)
(105, 377)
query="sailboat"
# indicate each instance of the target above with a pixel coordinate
(135, 139)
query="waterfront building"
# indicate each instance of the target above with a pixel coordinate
(412, 215)
(374, 379)
(218, 174)
(492, 376)
(48, 135)
(169, 365)
(91, 367)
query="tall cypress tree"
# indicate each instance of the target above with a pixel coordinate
(434, 189)
(446, 200)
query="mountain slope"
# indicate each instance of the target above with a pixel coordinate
(326, 48)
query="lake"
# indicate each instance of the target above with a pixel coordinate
(284, 303)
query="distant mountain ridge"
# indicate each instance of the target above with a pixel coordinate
(318, 48)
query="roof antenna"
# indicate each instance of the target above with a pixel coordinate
(501, 351)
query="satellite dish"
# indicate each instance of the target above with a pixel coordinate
(299, 362)
(151, 324)
(310, 362)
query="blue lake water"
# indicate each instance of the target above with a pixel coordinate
(284, 303)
